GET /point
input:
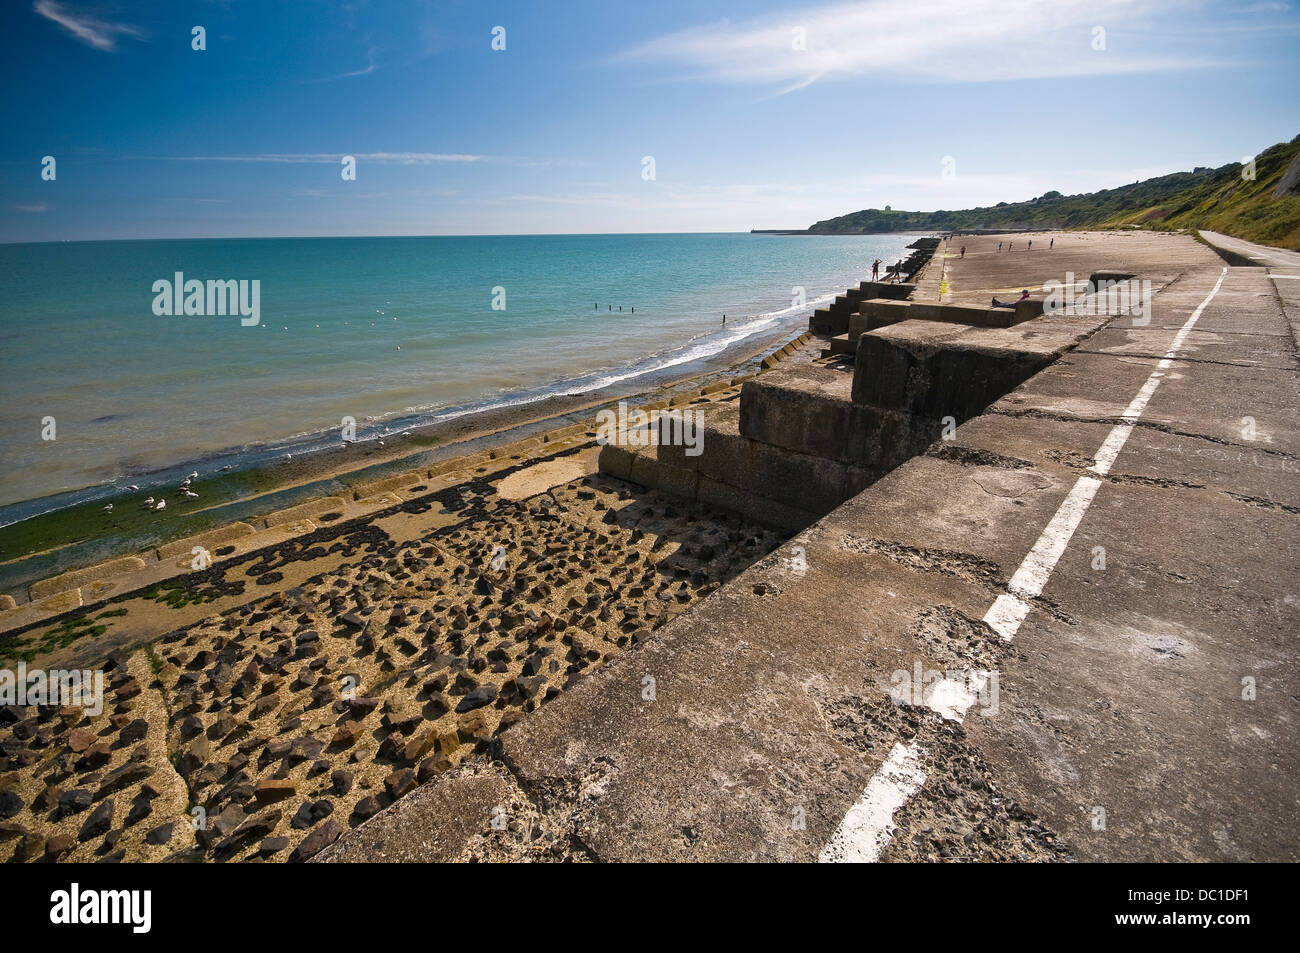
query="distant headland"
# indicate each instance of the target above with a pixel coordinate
(1257, 200)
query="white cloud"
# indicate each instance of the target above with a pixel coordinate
(100, 34)
(944, 40)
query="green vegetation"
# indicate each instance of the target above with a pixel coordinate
(1265, 209)
(69, 630)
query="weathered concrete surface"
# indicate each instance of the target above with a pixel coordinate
(939, 369)
(808, 410)
(1147, 710)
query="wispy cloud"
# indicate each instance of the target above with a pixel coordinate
(947, 40)
(89, 29)
(35, 207)
(364, 71)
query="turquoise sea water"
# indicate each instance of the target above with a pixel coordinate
(389, 331)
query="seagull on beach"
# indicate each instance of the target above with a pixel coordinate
(133, 487)
(162, 505)
(149, 501)
(191, 496)
(194, 475)
(109, 508)
(226, 467)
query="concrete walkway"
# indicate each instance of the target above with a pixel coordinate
(1070, 631)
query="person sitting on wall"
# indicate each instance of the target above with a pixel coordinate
(1010, 304)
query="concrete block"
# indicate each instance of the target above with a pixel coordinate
(934, 369)
(1028, 309)
(209, 540)
(765, 512)
(808, 410)
(80, 577)
(615, 461)
(975, 315)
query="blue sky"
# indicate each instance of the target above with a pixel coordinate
(757, 114)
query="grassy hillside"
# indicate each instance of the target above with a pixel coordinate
(1265, 210)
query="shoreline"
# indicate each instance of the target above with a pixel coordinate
(54, 542)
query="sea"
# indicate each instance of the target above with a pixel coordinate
(100, 390)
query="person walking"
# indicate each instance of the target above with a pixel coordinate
(1031, 244)
(963, 251)
(999, 246)
(1050, 244)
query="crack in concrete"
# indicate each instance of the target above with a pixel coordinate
(974, 457)
(1249, 365)
(1112, 421)
(1081, 463)
(1264, 502)
(964, 566)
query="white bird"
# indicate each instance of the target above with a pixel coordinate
(226, 467)
(133, 487)
(185, 484)
(149, 501)
(162, 505)
(194, 475)
(192, 496)
(109, 508)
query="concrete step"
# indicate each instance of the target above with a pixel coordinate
(827, 322)
(936, 369)
(770, 485)
(809, 410)
(843, 344)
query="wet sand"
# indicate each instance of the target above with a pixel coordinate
(257, 708)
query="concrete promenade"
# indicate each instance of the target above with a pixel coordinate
(1068, 632)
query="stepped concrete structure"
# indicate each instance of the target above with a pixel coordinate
(1063, 628)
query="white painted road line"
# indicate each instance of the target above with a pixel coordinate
(866, 829)
(869, 824)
